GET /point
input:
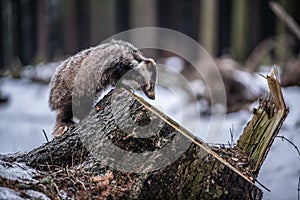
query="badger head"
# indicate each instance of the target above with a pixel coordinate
(143, 75)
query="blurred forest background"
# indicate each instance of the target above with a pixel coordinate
(34, 31)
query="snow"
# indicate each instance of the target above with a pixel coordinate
(41, 71)
(254, 82)
(36, 195)
(22, 174)
(17, 171)
(198, 87)
(24, 116)
(6, 193)
(175, 63)
(27, 113)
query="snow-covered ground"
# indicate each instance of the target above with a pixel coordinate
(24, 117)
(27, 113)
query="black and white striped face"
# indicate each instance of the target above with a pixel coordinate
(147, 76)
(144, 76)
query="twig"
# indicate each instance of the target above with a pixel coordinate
(262, 75)
(231, 130)
(49, 168)
(259, 183)
(284, 138)
(67, 171)
(280, 12)
(49, 149)
(82, 184)
(45, 134)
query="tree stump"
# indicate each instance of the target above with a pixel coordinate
(127, 149)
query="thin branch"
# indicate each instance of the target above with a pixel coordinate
(45, 134)
(231, 134)
(262, 75)
(49, 149)
(281, 13)
(262, 185)
(284, 138)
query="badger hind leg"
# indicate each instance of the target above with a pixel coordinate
(64, 121)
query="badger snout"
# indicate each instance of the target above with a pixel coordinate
(145, 76)
(151, 95)
(149, 90)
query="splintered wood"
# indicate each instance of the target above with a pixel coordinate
(261, 131)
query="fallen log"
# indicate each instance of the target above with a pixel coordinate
(127, 149)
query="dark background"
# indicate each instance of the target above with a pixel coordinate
(34, 31)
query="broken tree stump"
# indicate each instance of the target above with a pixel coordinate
(267, 120)
(127, 149)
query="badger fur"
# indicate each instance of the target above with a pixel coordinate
(79, 79)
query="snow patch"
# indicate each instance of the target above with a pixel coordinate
(6, 193)
(37, 195)
(175, 63)
(254, 83)
(17, 171)
(41, 71)
(24, 116)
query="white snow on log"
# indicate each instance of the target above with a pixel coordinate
(36, 195)
(6, 193)
(21, 174)
(17, 171)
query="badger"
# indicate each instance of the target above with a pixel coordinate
(81, 78)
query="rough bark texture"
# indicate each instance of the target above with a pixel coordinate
(156, 162)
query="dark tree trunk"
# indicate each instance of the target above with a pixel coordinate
(70, 27)
(42, 31)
